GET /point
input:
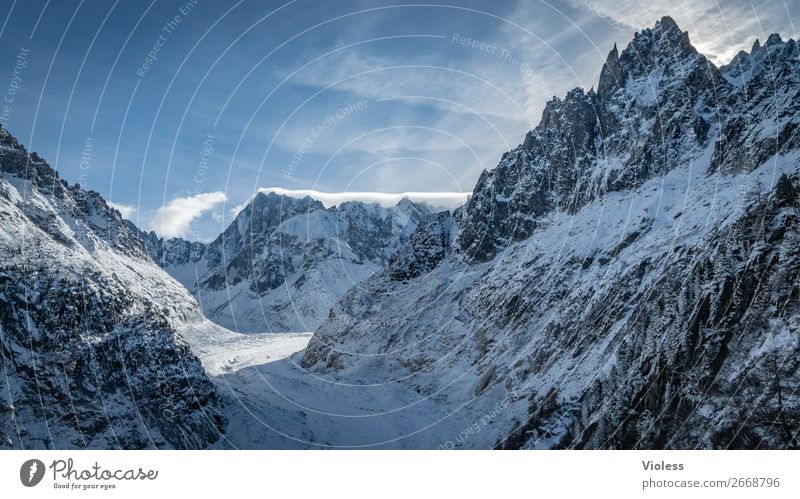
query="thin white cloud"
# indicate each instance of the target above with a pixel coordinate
(176, 217)
(443, 199)
(491, 91)
(126, 210)
(465, 115)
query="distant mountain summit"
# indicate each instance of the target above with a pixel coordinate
(625, 278)
(283, 262)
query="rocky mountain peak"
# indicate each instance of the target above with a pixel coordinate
(770, 56)
(668, 25)
(91, 218)
(666, 33)
(659, 102)
(773, 39)
(610, 75)
(27, 165)
(271, 203)
(661, 49)
(405, 202)
(265, 212)
(763, 83)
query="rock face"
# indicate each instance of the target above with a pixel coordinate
(283, 262)
(653, 110)
(625, 278)
(179, 257)
(88, 325)
(427, 246)
(764, 106)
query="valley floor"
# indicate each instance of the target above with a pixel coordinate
(272, 402)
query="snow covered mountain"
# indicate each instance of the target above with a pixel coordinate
(283, 262)
(89, 325)
(625, 278)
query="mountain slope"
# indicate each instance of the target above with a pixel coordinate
(283, 262)
(91, 356)
(625, 278)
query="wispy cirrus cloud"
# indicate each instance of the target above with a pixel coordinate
(464, 86)
(175, 218)
(461, 116)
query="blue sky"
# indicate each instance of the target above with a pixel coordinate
(332, 96)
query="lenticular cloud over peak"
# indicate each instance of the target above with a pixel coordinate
(443, 199)
(447, 199)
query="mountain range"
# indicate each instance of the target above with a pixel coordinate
(283, 262)
(627, 277)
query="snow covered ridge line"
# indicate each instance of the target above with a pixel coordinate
(386, 199)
